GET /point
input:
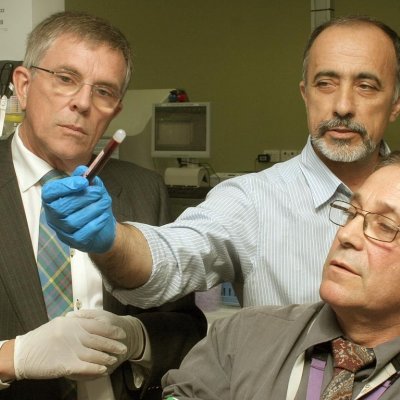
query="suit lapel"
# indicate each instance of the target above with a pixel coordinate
(121, 209)
(19, 273)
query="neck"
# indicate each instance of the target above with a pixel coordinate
(59, 162)
(353, 174)
(368, 330)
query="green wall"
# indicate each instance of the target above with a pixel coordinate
(243, 56)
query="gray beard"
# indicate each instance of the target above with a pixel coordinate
(342, 150)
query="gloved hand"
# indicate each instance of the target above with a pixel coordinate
(134, 340)
(80, 213)
(76, 348)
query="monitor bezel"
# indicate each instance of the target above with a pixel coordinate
(181, 153)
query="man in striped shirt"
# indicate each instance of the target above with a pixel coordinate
(267, 231)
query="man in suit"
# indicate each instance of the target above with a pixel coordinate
(76, 70)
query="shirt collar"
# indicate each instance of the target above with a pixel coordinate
(323, 183)
(325, 328)
(29, 168)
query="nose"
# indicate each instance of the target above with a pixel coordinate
(81, 100)
(344, 106)
(352, 234)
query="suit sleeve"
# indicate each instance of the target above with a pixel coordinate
(205, 373)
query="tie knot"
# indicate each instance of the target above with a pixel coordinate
(350, 356)
(52, 175)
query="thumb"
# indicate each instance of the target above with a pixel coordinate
(79, 171)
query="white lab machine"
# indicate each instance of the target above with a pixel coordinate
(186, 176)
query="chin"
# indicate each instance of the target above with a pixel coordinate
(343, 150)
(333, 293)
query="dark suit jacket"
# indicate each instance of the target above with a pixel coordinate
(138, 195)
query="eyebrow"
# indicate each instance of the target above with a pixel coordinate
(361, 75)
(78, 74)
(380, 204)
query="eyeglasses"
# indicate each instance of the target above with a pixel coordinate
(375, 226)
(68, 84)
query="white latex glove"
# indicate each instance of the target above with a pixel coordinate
(76, 348)
(134, 340)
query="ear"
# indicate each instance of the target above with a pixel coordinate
(303, 91)
(21, 81)
(395, 110)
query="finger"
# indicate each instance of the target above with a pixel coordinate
(67, 205)
(63, 187)
(82, 238)
(75, 211)
(104, 344)
(96, 181)
(94, 209)
(95, 357)
(95, 219)
(102, 316)
(102, 329)
(80, 170)
(84, 370)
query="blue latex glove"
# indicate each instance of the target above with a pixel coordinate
(80, 213)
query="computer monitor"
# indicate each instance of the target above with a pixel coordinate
(181, 130)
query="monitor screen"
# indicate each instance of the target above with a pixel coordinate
(181, 130)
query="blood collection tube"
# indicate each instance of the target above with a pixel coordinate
(98, 163)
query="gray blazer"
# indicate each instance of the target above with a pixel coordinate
(138, 195)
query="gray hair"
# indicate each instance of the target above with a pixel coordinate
(351, 21)
(84, 26)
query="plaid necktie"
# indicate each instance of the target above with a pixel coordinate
(55, 276)
(54, 264)
(348, 358)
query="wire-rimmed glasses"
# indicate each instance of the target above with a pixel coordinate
(68, 84)
(375, 226)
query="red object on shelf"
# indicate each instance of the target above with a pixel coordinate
(178, 95)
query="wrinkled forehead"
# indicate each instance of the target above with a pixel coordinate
(381, 190)
(360, 45)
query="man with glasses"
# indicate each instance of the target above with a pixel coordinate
(71, 85)
(269, 230)
(346, 347)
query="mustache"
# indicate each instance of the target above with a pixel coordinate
(342, 122)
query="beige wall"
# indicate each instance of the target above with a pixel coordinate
(243, 56)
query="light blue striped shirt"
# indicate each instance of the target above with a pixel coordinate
(269, 229)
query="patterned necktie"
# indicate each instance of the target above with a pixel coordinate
(348, 358)
(54, 267)
(54, 264)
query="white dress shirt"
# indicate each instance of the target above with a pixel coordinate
(86, 279)
(271, 229)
